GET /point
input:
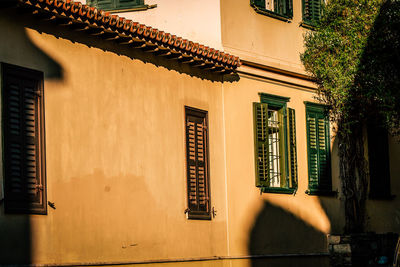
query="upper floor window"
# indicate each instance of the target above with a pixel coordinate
(275, 145)
(280, 9)
(118, 5)
(311, 12)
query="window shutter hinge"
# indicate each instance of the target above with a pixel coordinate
(38, 94)
(187, 210)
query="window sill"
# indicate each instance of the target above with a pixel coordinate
(131, 9)
(316, 192)
(308, 25)
(271, 14)
(277, 190)
(382, 197)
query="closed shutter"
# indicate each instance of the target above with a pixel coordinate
(292, 148)
(25, 188)
(115, 4)
(318, 144)
(378, 154)
(197, 164)
(260, 116)
(311, 11)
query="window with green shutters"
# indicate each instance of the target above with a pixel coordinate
(275, 145)
(318, 149)
(312, 12)
(23, 140)
(280, 9)
(117, 5)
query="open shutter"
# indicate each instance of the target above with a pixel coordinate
(312, 150)
(323, 152)
(260, 115)
(197, 164)
(24, 164)
(292, 148)
(311, 11)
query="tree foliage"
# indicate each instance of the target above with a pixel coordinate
(354, 57)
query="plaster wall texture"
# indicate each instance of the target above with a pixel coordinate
(262, 39)
(198, 21)
(115, 150)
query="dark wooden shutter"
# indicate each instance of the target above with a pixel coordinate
(311, 11)
(197, 164)
(25, 184)
(259, 3)
(129, 3)
(378, 153)
(292, 148)
(318, 145)
(261, 147)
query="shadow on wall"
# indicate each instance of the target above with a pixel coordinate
(279, 232)
(80, 36)
(16, 48)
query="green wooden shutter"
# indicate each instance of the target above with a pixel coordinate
(312, 150)
(378, 153)
(292, 148)
(25, 185)
(311, 11)
(197, 164)
(129, 3)
(259, 3)
(324, 153)
(318, 146)
(284, 7)
(260, 116)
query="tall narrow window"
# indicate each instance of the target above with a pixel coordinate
(275, 145)
(197, 164)
(318, 148)
(379, 169)
(23, 120)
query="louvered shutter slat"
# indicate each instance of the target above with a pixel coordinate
(312, 151)
(260, 113)
(198, 191)
(292, 147)
(24, 182)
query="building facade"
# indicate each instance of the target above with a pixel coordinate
(123, 144)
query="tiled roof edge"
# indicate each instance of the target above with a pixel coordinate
(125, 31)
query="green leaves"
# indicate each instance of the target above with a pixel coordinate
(354, 57)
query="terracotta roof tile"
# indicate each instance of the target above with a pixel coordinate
(99, 22)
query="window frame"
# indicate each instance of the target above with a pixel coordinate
(278, 103)
(11, 205)
(262, 10)
(115, 6)
(311, 107)
(198, 214)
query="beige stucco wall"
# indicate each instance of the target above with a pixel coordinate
(115, 150)
(262, 39)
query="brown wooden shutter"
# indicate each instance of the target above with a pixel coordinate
(197, 164)
(25, 184)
